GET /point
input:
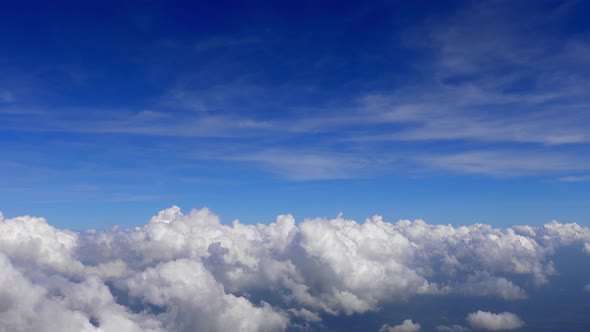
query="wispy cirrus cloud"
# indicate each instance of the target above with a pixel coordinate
(450, 117)
(575, 179)
(485, 91)
(311, 165)
(143, 122)
(505, 163)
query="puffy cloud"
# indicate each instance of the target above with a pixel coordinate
(95, 299)
(64, 274)
(363, 264)
(406, 326)
(494, 322)
(184, 272)
(32, 243)
(194, 301)
(61, 305)
(555, 234)
(587, 288)
(477, 248)
(24, 306)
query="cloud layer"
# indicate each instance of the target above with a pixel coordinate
(187, 272)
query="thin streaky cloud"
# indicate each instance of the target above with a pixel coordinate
(505, 163)
(575, 179)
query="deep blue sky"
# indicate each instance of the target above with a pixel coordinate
(453, 112)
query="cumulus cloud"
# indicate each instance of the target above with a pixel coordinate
(56, 304)
(186, 272)
(195, 301)
(494, 322)
(406, 326)
(38, 245)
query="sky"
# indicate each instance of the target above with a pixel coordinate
(455, 112)
(387, 166)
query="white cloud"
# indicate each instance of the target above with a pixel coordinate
(38, 245)
(452, 328)
(494, 322)
(195, 301)
(94, 299)
(182, 272)
(406, 326)
(55, 304)
(555, 234)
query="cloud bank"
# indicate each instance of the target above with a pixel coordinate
(187, 272)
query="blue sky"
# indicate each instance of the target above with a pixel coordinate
(453, 112)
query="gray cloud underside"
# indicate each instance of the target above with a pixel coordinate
(186, 272)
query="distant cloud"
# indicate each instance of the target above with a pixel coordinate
(494, 322)
(453, 328)
(406, 326)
